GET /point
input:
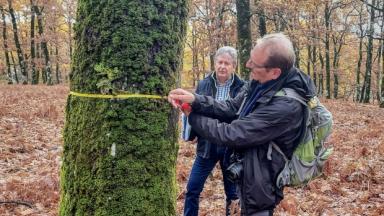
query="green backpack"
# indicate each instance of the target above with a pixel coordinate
(308, 158)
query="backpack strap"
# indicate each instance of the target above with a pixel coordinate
(291, 93)
(272, 144)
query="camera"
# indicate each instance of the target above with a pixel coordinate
(235, 169)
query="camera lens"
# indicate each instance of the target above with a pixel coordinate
(234, 171)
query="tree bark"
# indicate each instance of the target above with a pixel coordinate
(5, 45)
(14, 68)
(243, 35)
(44, 47)
(358, 68)
(34, 74)
(327, 17)
(382, 63)
(57, 69)
(366, 90)
(321, 75)
(262, 25)
(119, 155)
(20, 55)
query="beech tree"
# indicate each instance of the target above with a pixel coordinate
(244, 39)
(20, 55)
(119, 155)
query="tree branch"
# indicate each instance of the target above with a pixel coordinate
(17, 203)
(373, 6)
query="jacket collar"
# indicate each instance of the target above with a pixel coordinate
(269, 92)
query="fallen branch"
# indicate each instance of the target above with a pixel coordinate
(17, 203)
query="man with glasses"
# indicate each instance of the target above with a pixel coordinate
(256, 117)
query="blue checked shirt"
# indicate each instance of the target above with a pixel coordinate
(223, 89)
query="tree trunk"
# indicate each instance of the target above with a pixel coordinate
(314, 64)
(34, 75)
(358, 68)
(382, 75)
(379, 72)
(14, 68)
(119, 155)
(20, 55)
(296, 46)
(44, 47)
(58, 73)
(321, 75)
(309, 59)
(335, 65)
(366, 91)
(327, 17)
(380, 62)
(262, 22)
(243, 35)
(5, 44)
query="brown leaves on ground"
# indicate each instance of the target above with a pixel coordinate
(31, 121)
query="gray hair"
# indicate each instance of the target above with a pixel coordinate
(227, 50)
(279, 50)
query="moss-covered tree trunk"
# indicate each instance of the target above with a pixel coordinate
(120, 154)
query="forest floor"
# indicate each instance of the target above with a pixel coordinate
(31, 122)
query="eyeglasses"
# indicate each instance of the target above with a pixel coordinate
(252, 64)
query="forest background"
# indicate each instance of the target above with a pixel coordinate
(339, 43)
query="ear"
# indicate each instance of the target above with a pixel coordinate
(276, 72)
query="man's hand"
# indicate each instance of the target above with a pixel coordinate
(180, 95)
(194, 141)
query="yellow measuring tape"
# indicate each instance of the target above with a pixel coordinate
(120, 96)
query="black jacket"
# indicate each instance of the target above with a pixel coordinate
(207, 87)
(278, 119)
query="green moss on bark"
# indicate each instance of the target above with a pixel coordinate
(119, 155)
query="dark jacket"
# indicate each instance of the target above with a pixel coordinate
(207, 87)
(278, 119)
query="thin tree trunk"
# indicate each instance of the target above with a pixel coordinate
(14, 68)
(314, 65)
(382, 71)
(262, 26)
(34, 76)
(243, 35)
(5, 45)
(58, 73)
(44, 46)
(321, 75)
(327, 17)
(296, 47)
(309, 57)
(119, 155)
(20, 55)
(379, 72)
(366, 91)
(358, 69)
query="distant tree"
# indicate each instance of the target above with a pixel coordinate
(244, 39)
(47, 71)
(5, 45)
(34, 72)
(20, 55)
(366, 90)
(361, 36)
(119, 155)
(14, 64)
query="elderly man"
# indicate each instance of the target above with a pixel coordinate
(221, 84)
(249, 122)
